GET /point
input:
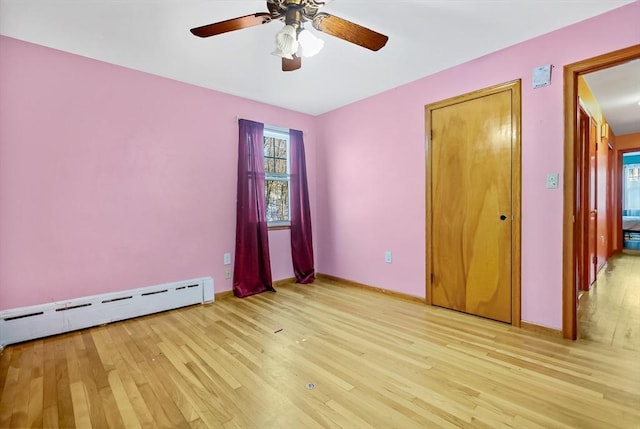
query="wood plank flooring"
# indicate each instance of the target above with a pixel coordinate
(610, 312)
(318, 356)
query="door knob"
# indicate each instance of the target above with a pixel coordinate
(502, 217)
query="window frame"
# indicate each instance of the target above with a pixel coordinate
(281, 134)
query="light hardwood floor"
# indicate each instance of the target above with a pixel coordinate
(376, 362)
(610, 312)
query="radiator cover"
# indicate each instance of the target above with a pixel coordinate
(37, 321)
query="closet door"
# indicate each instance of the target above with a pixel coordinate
(471, 206)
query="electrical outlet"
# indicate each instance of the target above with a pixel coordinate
(387, 256)
(227, 258)
(227, 274)
(552, 181)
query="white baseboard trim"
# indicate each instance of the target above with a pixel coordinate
(37, 321)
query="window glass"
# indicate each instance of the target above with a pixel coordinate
(276, 166)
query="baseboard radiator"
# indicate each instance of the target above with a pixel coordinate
(28, 323)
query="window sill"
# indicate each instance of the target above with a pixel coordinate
(278, 227)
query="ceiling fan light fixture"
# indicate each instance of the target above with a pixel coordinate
(286, 42)
(309, 43)
(293, 42)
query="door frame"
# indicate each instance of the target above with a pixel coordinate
(582, 237)
(592, 202)
(516, 186)
(611, 195)
(572, 171)
(618, 204)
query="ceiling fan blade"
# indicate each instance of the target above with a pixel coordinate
(291, 65)
(232, 24)
(349, 31)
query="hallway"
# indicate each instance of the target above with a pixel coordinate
(610, 312)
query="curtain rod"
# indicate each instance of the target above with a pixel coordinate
(268, 126)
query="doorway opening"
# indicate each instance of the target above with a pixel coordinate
(630, 182)
(576, 215)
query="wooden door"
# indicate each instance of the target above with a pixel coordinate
(610, 199)
(471, 205)
(593, 201)
(582, 188)
(586, 240)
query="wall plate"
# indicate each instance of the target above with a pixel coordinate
(541, 76)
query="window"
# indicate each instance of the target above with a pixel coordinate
(631, 190)
(276, 183)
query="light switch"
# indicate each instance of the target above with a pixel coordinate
(227, 258)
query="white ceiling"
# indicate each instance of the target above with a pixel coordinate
(617, 90)
(425, 36)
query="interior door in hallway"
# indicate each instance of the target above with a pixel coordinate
(586, 208)
(593, 201)
(471, 204)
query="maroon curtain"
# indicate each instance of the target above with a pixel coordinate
(252, 270)
(301, 242)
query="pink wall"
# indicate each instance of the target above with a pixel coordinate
(112, 179)
(371, 159)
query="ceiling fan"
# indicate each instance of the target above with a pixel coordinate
(293, 38)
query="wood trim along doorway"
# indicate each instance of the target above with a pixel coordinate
(571, 172)
(508, 204)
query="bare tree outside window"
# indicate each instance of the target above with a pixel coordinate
(276, 166)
